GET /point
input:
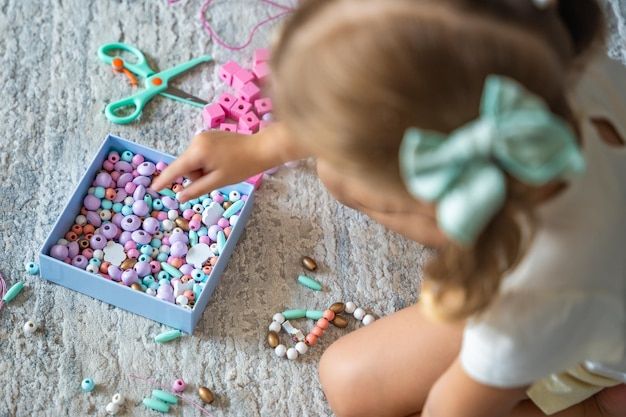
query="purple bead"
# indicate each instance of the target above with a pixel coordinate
(142, 269)
(139, 193)
(170, 202)
(212, 232)
(140, 208)
(60, 252)
(120, 195)
(124, 179)
(123, 167)
(91, 202)
(93, 218)
(178, 249)
(103, 179)
(146, 168)
(117, 219)
(223, 222)
(97, 241)
(179, 237)
(109, 230)
(186, 269)
(115, 272)
(129, 277)
(206, 240)
(80, 261)
(150, 225)
(73, 249)
(169, 297)
(131, 223)
(137, 159)
(161, 165)
(125, 236)
(141, 237)
(153, 193)
(141, 180)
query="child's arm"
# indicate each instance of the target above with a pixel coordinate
(216, 158)
(455, 394)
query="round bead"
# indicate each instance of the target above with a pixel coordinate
(117, 399)
(323, 323)
(32, 268)
(368, 319)
(317, 331)
(29, 328)
(329, 315)
(112, 408)
(279, 318)
(274, 327)
(205, 395)
(292, 354)
(179, 385)
(350, 307)
(92, 268)
(87, 385)
(359, 313)
(302, 348)
(311, 339)
(280, 350)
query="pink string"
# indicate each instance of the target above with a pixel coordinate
(182, 397)
(213, 35)
(3, 290)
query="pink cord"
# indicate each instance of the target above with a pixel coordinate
(286, 11)
(3, 290)
(182, 397)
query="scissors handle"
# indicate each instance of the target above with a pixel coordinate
(133, 104)
(140, 67)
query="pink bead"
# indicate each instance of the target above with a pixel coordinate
(255, 180)
(311, 339)
(114, 176)
(179, 385)
(161, 215)
(108, 165)
(323, 323)
(317, 331)
(227, 71)
(130, 187)
(249, 121)
(261, 55)
(223, 222)
(226, 100)
(155, 266)
(138, 159)
(228, 127)
(240, 108)
(263, 105)
(240, 78)
(188, 214)
(261, 72)
(133, 253)
(205, 239)
(113, 157)
(213, 115)
(161, 165)
(249, 92)
(195, 224)
(87, 253)
(329, 315)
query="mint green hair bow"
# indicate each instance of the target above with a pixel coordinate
(464, 172)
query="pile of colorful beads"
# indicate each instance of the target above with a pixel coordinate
(148, 240)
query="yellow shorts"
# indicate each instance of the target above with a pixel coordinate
(560, 391)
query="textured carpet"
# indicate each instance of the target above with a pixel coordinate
(55, 90)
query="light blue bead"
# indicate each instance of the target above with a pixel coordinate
(234, 208)
(163, 281)
(155, 286)
(144, 257)
(99, 192)
(221, 241)
(117, 207)
(157, 204)
(32, 268)
(106, 204)
(203, 231)
(156, 243)
(194, 201)
(148, 199)
(167, 192)
(172, 270)
(146, 250)
(184, 206)
(161, 257)
(204, 197)
(127, 156)
(163, 275)
(193, 238)
(197, 274)
(87, 385)
(127, 210)
(197, 289)
(148, 279)
(95, 261)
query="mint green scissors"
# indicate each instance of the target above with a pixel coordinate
(155, 82)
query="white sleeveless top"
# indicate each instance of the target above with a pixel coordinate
(565, 303)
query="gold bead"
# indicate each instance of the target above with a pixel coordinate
(136, 286)
(272, 339)
(226, 204)
(182, 223)
(337, 307)
(128, 264)
(339, 321)
(205, 395)
(309, 263)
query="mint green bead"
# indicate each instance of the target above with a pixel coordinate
(167, 192)
(156, 405)
(165, 396)
(127, 156)
(309, 283)
(99, 192)
(221, 241)
(148, 199)
(314, 314)
(106, 204)
(117, 207)
(172, 270)
(13, 291)
(193, 238)
(233, 209)
(167, 336)
(294, 314)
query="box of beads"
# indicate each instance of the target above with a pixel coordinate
(121, 242)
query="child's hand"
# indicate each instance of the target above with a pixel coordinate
(213, 160)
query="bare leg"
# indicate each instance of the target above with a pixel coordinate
(388, 367)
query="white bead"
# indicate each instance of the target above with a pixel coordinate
(128, 201)
(274, 327)
(177, 230)
(168, 225)
(368, 319)
(150, 291)
(112, 408)
(99, 254)
(29, 328)
(186, 182)
(302, 347)
(234, 196)
(233, 220)
(81, 220)
(278, 317)
(280, 350)
(106, 215)
(350, 307)
(359, 313)
(182, 300)
(165, 249)
(117, 399)
(93, 268)
(292, 354)
(172, 215)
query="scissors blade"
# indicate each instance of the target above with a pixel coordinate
(177, 94)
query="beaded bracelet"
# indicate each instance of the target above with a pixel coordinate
(302, 343)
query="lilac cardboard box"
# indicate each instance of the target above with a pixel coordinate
(111, 292)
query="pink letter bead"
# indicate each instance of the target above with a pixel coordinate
(249, 121)
(228, 70)
(228, 127)
(249, 92)
(241, 77)
(261, 55)
(261, 71)
(213, 115)
(240, 108)
(263, 105)
(226, 100)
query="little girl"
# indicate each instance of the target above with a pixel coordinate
(472, 126)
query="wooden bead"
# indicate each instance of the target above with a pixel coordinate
(128, 263)
(272, 339)
(309, 263)
(340, 321)
(337, 307)
(136, 286)
(205, 395)
(182, 223)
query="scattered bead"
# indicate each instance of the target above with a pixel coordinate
(205, 395)
(112, 408)
(117, 399)
(309, 283)
(13, 291)
(167, 336)
(164, 396)
(309, 263)
(156, 405)
(87, 385)
(179, 385)
(32, 268)
(29, 328)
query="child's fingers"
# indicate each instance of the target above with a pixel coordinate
(199, 186)
(178, 168)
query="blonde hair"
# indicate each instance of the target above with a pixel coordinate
(354, 74)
